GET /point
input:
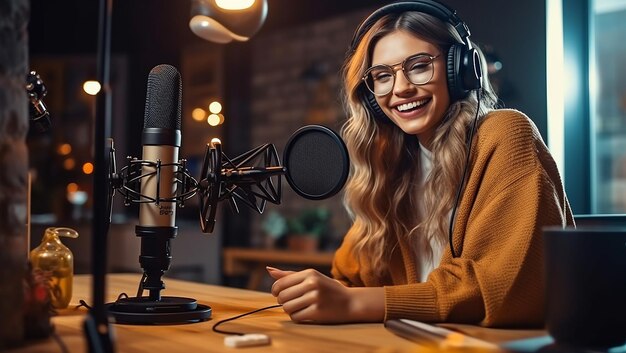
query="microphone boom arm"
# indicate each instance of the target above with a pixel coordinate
(221, 178)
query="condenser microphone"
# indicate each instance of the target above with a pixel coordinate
(159, 178)
(161, 139)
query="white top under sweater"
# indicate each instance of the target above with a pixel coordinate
(423, 261)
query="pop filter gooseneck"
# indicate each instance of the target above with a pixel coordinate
(317, 162)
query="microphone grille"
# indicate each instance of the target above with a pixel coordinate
(163, 98)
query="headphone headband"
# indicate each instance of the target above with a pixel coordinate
(431, 7)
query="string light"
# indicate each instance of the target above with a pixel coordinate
(198, 114)
(88, 168)
(64, 149)
(72, 187)
(69, 164)
(215, 107)
(213, 120)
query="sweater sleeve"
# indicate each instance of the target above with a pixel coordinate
(514, 190)
(346, 268)
(497, 280)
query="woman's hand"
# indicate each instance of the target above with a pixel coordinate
(309, 296)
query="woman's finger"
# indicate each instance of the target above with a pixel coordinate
(297, 290)
(300, 303)
(292, 279)
(306, 314)
(276, 273)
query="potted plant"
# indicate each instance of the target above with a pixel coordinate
(306, 229)
(275, 226)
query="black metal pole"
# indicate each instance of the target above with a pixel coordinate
(97, 326)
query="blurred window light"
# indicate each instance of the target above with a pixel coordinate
(555, 83)
(607, 105)
(604, 6)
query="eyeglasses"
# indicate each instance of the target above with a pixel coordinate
(418, 69)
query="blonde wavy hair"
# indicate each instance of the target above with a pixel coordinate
(383, 194)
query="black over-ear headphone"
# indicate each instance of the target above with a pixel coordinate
(463, 62)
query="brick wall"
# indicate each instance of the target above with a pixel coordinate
(296, 81)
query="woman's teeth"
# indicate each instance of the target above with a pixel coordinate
(410, 106)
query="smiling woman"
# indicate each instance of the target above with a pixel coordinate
(436, 210)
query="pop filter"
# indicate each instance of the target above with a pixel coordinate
(317, 162)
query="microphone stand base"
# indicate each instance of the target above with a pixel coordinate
(168, 310)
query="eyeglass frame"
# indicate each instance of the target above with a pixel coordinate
(394, 70)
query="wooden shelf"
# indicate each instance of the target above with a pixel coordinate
(250, 261)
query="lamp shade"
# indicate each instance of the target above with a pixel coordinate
(222, 21)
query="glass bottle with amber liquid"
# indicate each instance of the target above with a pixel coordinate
(56, 262)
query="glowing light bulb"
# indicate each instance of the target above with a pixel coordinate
(234, 4)
(91, 87)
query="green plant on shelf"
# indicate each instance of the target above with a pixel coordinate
(274, 225)
(312, 222)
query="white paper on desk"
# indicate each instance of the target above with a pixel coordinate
(423, 333)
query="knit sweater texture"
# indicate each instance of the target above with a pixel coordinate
(513, 190)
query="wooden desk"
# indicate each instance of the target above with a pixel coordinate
(252, 262)
(225, 302)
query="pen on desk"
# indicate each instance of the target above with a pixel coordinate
(440, 337)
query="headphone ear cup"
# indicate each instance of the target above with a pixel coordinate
(372, 106)
(471, 70)
(453, 70)
(463, 70)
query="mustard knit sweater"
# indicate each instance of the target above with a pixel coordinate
(513, 190)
